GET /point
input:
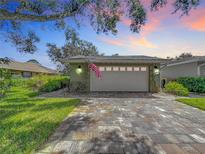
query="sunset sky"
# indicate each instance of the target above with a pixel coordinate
(164, 34)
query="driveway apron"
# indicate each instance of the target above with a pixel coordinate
(131, 126)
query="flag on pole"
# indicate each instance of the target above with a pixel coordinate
(95, 69)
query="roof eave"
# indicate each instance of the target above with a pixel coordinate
(114, 61)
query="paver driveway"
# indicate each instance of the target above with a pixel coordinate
(130, 125)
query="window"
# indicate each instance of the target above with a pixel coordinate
(115, 68)
(129, 69)
(122, 68)
(143, 69)
(136, 69)
(108, 68)
(26, 74)
(101, 68)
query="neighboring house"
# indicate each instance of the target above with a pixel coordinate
(119, 73)
(187, 67)
(27, 69)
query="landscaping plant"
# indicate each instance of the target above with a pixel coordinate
(194, 84)
(47, 83)
(195, 102)
(26, 122)
(176, 89)
(5, 81)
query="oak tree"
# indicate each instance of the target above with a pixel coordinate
(103, 15)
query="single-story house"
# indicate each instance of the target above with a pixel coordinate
(119, 73)
(187, 67)
(27, 69)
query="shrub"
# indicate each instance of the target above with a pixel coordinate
(78, 86)
(54, 84)
(47, 83)
(5, 81)
(194, 84)
(35, 83)
(176, 89)
(19, 81)
(4, 86)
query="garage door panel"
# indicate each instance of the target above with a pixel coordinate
(120, 81)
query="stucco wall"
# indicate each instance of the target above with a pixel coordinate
(154, 80)
(84, 78)
(202, 71)
(79, 82)
(183, 70)
(19, 73)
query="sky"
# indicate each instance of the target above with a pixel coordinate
(164, 35)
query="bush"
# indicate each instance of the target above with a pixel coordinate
(54, 84)
(194, 84)
(4, 86)
(5, 81)
(47, 83)
(176, 89)
(78, 86)
(35, 83)
(19, 81)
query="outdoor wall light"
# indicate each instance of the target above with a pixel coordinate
(79, 70)
(156, 70)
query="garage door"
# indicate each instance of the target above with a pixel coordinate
(120, 79)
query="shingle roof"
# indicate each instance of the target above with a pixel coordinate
(115, 59)
(27, 66)
(185, 60)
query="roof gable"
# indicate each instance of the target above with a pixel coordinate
(27, 66)
(186, 60)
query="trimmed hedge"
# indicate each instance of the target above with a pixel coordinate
(176, 89)
(194, 84)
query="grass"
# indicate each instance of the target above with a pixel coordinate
(195, 102)
(26, 122)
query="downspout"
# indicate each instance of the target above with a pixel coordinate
(198, 71)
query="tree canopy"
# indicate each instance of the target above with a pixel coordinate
(74, 46)
(102, 14)
(183, 55)
(33, 61)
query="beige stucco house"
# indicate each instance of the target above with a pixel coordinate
(187, 67)
(119, 73)
(27, 69)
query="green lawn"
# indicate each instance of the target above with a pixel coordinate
(26, 122)
(195, 102)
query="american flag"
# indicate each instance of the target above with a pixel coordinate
(95, 69)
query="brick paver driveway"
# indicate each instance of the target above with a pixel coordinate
(130, 125)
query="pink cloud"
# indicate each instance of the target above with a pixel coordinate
(129, 42)
(154, 19)
(196, 20)
(143, 42)
(111, 41)
(147, 29)
(126, 21)
(150, 27)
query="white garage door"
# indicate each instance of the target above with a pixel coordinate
(120, 79)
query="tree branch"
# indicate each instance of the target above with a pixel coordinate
(6, 15)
